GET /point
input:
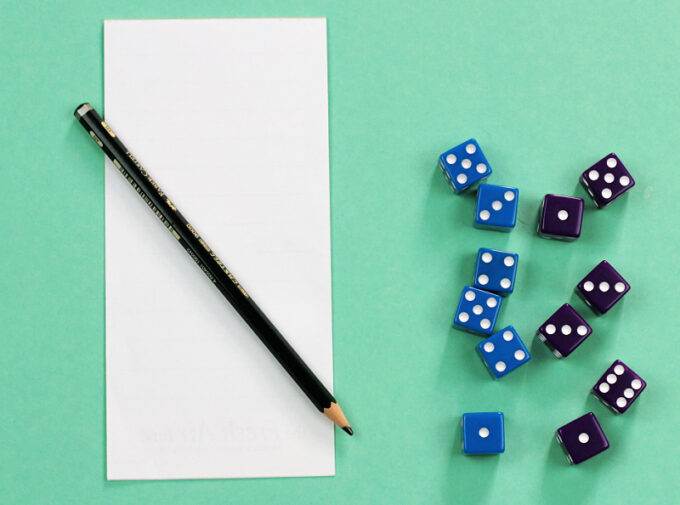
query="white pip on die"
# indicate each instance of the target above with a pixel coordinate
(477, 311)
(464, 165)
(496, 270)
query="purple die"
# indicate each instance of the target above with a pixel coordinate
(561, 217)
(607, 180)
(602, 287)
(619, 387)
(582, 438)
(564, 331)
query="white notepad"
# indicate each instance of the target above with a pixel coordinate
(230, 116)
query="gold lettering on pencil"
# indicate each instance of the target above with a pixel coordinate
(149, 203)
(108, 129)
(167, 224)
(192, 230)
(146, 174)
(170, 204)
(205, 246)
(202, 266)
(222, 266)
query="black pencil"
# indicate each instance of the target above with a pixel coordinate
(211, 265)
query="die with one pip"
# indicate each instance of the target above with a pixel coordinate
(477, 311)
(503, 352)
(464, 165)
(602, 288)
(495, 271)
(619, 387)
(582, 438)
(496, 207)
(564, 331)
(483, 433)
(560, 217)
(607, 180)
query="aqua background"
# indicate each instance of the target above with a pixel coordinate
(546, 87)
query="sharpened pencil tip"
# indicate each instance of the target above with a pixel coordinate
(335, 414)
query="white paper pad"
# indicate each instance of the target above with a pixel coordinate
(230, 117)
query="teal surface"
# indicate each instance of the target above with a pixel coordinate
(546, 88)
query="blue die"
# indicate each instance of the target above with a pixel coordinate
(483, 433)
(495, 271)
(503, 352)
(477, 311)
(464, 165)
(496, 207)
